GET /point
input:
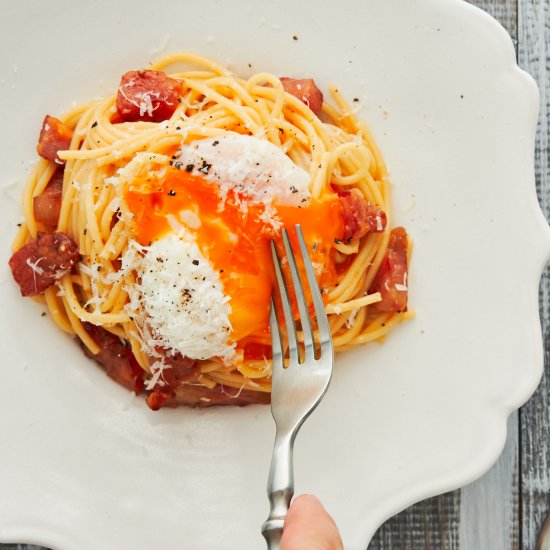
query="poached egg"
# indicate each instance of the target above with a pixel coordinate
(204, 225)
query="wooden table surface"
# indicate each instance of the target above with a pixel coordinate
(506, 508)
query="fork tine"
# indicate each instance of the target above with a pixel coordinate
(276, 340)
(325, 336)
(307, 331)
(287, 310)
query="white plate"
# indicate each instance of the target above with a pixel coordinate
(83, 466)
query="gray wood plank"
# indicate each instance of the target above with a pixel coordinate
(489, 508)
(429, 525)
(534, 56)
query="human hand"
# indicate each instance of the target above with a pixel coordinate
(309, 526)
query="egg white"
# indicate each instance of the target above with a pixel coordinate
(254, 168)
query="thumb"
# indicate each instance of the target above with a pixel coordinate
(308, 525)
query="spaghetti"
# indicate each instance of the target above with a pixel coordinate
(117, 158)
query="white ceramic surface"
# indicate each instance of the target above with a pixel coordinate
(84, 466)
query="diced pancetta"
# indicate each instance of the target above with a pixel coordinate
(305, 90)
(360, 217)
(40, 263)
(392, 277)
(54, 136)
(147, 95)
(47, 205)
(116, 358)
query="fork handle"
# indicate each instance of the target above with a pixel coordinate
(280, 489)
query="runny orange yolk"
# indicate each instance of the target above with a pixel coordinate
(234, 240)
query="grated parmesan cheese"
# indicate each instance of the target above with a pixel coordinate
(60, 290)
(178, 300)
(352, 316)
(34, 266)
(145, 104)
(402, 287)
(93, 272)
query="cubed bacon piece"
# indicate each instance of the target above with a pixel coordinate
(305, 90)
(54, 137)
(115, 357)
(47, 205)
(147, 95)
(178, 372)
(391, 279)
(199, 396)
(38, 264)
(360, 217)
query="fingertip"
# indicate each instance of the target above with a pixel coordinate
(308, 524)
(305, 506)
(307, 500)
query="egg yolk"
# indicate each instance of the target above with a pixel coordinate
(235, 240)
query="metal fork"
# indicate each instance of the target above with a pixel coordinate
(298, 388)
